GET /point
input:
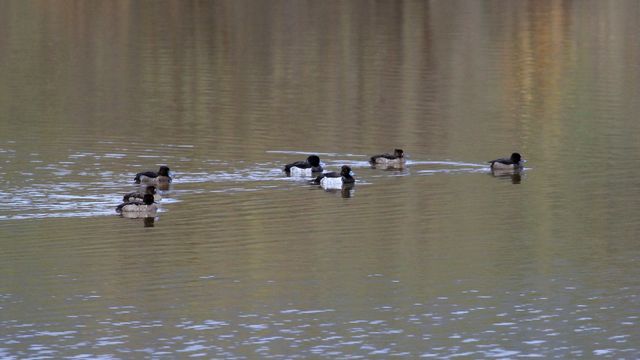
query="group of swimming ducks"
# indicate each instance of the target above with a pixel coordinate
(137, 203)
(312, 167)
(144, 204)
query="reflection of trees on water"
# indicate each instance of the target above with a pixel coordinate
(345, 85)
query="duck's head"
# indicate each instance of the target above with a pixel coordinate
(150, 190)
(398, 153)
(515, 157)
(313, 160)
(147, 199)
(345, 171)
(164, 171)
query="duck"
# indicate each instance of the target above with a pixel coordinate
(139, 196)
(334, 180)
(146, 206)
(514, 162)
(151, 177)
(396, 159)
(304, 167)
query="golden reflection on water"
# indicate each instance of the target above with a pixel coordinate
(435, 259)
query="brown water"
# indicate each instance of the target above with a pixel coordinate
(438, 260)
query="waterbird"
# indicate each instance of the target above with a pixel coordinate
(396, 159)
(335, 180)
(304, 167)
(139, 196)
(146, 206)
(151, 177)
(514, 162)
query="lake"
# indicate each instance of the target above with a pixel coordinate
(439, 259)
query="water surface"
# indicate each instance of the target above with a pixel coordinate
(440, 259)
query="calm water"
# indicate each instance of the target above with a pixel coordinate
(438, 260)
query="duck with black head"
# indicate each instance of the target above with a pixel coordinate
(154, 178)
(388, 160)
(514, 162)
(145, 207)
(305, 167)
(334, 180)
(139, 196)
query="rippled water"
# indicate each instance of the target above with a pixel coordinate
(439, 259)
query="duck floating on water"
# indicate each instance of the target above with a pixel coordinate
(334, 180)
(139, 196)
(152, 178)
(305, 167)
(389, 160)
(146, 207)
(514, 162)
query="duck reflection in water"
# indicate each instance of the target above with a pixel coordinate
(346, 191)
(149, 221)
(515, 175)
